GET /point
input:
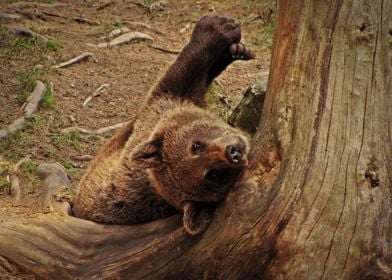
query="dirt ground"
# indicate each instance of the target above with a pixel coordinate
(130, 69)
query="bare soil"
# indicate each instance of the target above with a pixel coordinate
(130, 69)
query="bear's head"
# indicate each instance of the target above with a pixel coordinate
(192, 161)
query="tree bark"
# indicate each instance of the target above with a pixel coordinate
(316, 202)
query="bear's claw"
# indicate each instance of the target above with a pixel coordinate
(240, 51)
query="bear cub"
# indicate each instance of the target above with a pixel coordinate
(174, 156)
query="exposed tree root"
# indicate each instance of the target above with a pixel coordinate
(86, 20)
(77, 59)
(29, 108)
(124, 38)
(116, 32)
(24, 31)
(34, 99)
(104, 5)
(13, 173)
(6, 16)
(55, 179)
(97, 131)
(163, 49)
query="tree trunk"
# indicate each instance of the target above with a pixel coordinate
(316, 202)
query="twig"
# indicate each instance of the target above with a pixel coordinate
(82, 157)
(104, 5)
(21, 30)
(223, 99)
(93, 131)
(162, 49)
(32, 103)
(97, 92)
(185, 28)
(86, 20)
(219, 83)
(124, 38)
(79, 58)
(14, 179)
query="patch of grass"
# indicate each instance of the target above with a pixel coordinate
(109, 27)
(63, 160)
(54, 45)
(30, 167)
(213, 103)
(29, 45)
(263, 39)
(4, 184)
(27, 80)
(3, 30)
(4, 166)
(35, 124)
(72, 139)
(15, 141)
(47, 100)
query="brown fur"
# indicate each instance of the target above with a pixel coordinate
(175, 155)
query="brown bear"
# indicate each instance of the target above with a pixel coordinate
(174, 156)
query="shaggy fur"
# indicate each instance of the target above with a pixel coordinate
(175, 155)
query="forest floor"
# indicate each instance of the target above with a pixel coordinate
(129, 70)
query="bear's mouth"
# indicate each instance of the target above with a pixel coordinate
(224, 176)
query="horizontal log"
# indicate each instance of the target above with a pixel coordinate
(56, 246)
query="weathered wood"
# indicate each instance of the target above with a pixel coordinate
(70, 247)
(316, 200)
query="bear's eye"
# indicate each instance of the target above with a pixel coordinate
(197, 147)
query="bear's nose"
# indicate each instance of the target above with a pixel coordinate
(234, 153)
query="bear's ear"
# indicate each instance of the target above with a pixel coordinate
(148, 153)
(197, 217)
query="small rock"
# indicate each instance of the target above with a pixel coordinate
(248, 112)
